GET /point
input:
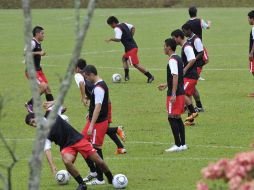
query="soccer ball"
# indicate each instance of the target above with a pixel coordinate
(116, 78)
(62, 177)
(65, 117)
(120, 181)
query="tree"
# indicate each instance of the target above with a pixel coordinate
(43, 127)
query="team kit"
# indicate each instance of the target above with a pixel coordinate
(183, 74)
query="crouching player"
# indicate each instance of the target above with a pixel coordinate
(71, 143)
(175, 95)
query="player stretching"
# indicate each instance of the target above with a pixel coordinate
(71, 143)
(198, 48)
(175, 95)
(190, 73)
(251, 46)
(38, 36)
(124, 33)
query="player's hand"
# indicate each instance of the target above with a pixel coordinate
(90, 130)
(209, 23)
(85, 101)
(42, 53)
(173, 99)
(162, 87)
(48, 104)
(54, 170)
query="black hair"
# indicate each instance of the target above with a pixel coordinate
(81, 64)
(112, 19)
(251, 14)
(193, 11)
(90, 69)
(187, 26)
(171, 43)
(36, 30)
(29, 117)
(177, 33)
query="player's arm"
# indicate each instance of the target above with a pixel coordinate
(99, 96)
(84, 98)
(47, 150)
(188, 50)
(252, 48)
(206, 25)
(200, 48)
(118, 35)
(133, 30)
(174, 72)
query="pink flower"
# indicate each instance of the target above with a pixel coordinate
(202, 186)
(247, 186)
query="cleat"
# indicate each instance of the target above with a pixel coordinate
(174, 148)
(120, 132)
(192, 116)
(200, 78)
(96, 182)
(82, 187)
(183, 147)
(127, 78)
(91, 175)
(197, 109)
(29, 107)
(63, 110)
(189, 123)
(150, 80)
(120, 151)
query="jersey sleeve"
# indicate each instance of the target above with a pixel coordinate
(99, 95)
(78, 78)
(198, 45)
(188, 50)
(252, 31)
(204, 25)
(173, 66)
(118, 33)
(130, 26)
(33, 44)
(47, 145)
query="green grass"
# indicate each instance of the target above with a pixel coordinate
(139, 107)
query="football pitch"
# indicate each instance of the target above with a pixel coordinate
(224, 129)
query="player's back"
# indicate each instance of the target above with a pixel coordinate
(196, 26)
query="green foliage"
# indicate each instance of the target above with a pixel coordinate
(223, 130)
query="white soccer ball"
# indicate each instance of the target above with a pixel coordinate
(63, 177)
(116, 78)
(65, 117)
(120, 181)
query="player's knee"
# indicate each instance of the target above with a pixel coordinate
(43, 86)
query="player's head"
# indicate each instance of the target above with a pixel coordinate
(38, 33)
(178, 36)
(80, 65)
(169, 46)
(30, 119)
(187, 30)
(251, 17)
(193, 11)
(90, 73)
(112, 21)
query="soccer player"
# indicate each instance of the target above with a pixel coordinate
(198, 48)
(38, 37)
(251, 45)
(71, 143)
(190, 73)
(124, 33)
(196, 23)
(97, 123)
(175, 95)
(86, 89)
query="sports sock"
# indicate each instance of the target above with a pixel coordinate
(91, 165)
(30, 101)
(148, 74)
(109, 176)
(191, 108)
(175, 130)
(199, 104)
(49, 97)
(126, 71)
(111, 132)
(98, 170)
(79, 179)
(181, 131)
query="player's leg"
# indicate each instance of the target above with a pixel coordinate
(112, 133)
(104, 168)
(199, 106)
(126, 68)
(68, 160)
(252, 72)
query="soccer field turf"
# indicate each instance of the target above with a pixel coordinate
(225, 128)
